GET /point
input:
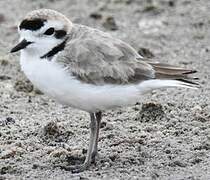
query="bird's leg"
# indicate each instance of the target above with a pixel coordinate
(93, 132)
(88, 159)
(98, 116)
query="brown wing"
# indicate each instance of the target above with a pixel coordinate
(94, 57)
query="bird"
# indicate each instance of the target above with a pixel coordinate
(88, 69)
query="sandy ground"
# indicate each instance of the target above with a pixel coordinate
(165, 136)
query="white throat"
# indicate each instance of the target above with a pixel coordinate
(40, 48)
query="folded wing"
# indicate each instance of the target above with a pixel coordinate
(95, 57)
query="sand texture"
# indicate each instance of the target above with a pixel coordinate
(165, 136)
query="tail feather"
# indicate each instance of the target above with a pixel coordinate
(167, 75)
(153, 84)
(166, 71)
(169, 70)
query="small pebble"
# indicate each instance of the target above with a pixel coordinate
(23, 86)
(51, 129)
(103, 124)
(4, 77)
(96, 15)
(2, 18)
(110, 24)
(145, 53)
(196, 109)
(151, 112)
(4, 62)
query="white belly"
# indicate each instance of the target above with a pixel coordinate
(50, 78)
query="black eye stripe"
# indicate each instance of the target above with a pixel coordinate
(49, 31)
(60, 34)
(33, 25)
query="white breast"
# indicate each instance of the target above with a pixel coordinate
(53, 80)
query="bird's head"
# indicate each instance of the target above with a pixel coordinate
(41, 31)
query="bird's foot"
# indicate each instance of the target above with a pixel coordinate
(94, 157)
(75, 168)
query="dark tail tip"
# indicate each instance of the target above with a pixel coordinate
(189, 82)
(190, 72)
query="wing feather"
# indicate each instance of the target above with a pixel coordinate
(95, 57)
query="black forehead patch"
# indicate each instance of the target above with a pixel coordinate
(32, 25)
(60, 34)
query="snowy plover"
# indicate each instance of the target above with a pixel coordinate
(88, 69)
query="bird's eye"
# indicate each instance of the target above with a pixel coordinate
(50, 31)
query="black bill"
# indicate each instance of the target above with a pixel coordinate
(23, 44)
